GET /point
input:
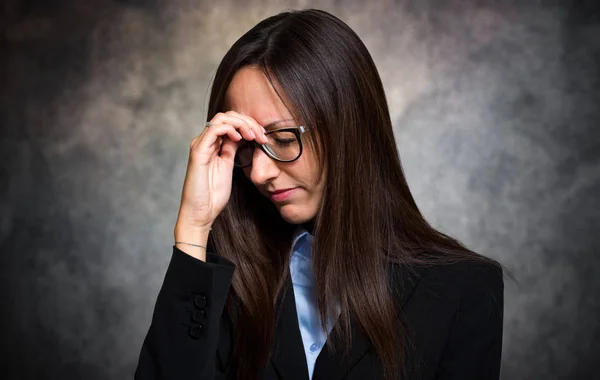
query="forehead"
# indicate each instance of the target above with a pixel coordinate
(251, 93)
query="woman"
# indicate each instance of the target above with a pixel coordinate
(319, 264)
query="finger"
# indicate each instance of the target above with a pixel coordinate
(214, 132)
(250, 120)
(228, 150)
(259, 130)
(196, 139)
(241, 125)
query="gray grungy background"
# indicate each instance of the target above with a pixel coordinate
(495, 108)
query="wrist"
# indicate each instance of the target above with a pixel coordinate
(192, 240)
(185, 224)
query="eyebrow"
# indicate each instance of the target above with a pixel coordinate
(274, 123)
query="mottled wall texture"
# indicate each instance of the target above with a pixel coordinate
(495, 107)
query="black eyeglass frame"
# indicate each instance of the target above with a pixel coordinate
(298, 132)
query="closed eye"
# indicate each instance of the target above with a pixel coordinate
(285, 141)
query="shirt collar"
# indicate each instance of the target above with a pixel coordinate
(298, 233)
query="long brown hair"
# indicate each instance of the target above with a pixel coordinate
(368, 219)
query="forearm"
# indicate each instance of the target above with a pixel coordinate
(182, 339)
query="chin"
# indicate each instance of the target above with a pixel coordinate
(291, 214)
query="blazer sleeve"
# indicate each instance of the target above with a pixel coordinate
(183, 337)
(474, 345)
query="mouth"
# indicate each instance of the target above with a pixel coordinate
(282, 194)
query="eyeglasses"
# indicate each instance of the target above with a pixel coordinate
(283, 145)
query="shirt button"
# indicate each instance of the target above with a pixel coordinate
(314, 347)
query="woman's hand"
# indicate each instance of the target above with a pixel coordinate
(207, 184)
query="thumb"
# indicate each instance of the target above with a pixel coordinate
(228, 150)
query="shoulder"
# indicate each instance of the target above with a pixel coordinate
(469, 283)
(465, 274)
(461, 283)
(456, 315)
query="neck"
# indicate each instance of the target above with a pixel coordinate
(309, 226)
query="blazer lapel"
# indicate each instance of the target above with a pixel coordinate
(333, 366)
(288, 355)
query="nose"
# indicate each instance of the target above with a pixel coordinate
(263, 168)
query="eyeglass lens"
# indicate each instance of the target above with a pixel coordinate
(282, 145)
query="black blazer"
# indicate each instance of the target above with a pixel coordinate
(455, 313)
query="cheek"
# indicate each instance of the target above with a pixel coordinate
(308, 167)
(303, 172)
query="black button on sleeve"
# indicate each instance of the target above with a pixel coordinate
(198, 315)
(200, 301)
(195, 331)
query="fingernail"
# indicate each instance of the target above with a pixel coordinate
(252, 133)
(264, 130)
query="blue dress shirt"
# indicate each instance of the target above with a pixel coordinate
(309, 321)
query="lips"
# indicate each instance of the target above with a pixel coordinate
(281, 194)
(281, 191)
